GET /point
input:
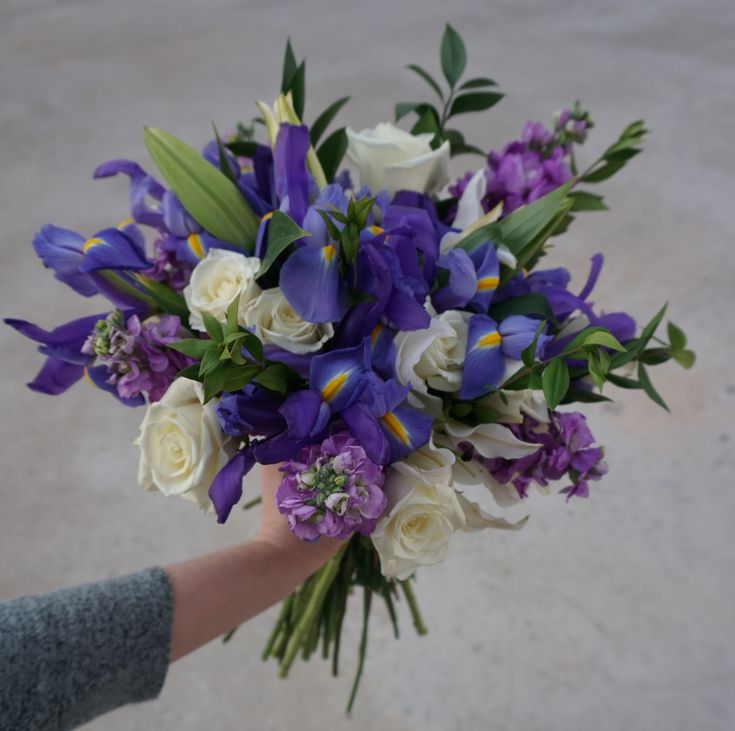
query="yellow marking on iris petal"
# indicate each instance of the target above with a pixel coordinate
(267, 216)
(394, 426)
(195, 244)
(375, 230)
(525, 271)
(328, 252)
(486, 283)
(375, 334)
(89, 243)
(126, 222)
(333, 387)
(87, 377)
(490, 340)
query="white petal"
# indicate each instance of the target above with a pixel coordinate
(491, 440)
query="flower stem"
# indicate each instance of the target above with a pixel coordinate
(418, 621)
(279, 626)
(322, 581)
(367, 601)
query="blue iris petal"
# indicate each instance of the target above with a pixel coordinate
(111, 249)
(61, 250)
(339, 376)
(484, 365)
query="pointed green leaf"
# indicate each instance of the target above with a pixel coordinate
(477, 83)
(677, 338)
(166, 299)
(325, 118)
(528, 356)
(647, 386)
(524, 304)
(453, 55)
(477, 101)
(604, 338)
(208, 195)
(232, 325)
(427, 77)
(273, 378)
(331, 152)
(555, 382)
(289, 67)
(242, 148)
(584, 201)
(282, 232)
(193, 347)
(224, 165)
(685, 358)
(254, 346)
(298, 89)
(210, 361)
(191, 372)
(213, 327)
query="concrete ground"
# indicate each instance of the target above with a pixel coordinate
(612, 613)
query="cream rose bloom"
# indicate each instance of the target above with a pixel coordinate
(434, 356)
(391, 159)
(276, 322)
(216, 281)
(422, 515)
(182, 446)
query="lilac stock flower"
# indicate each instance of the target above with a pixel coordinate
(566, 448)
(135, 353)
(331, 489)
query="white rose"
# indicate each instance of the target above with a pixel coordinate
(435, 355)
(391, 159)
(276, 322)
(423, 513)
(512, 406)
(216, 281)
(182, 446)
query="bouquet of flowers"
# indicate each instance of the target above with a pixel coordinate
(389, 344)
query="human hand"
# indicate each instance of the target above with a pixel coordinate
(274, 530)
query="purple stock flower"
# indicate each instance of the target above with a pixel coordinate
(135, 353)
(566, 448)
(331, 489)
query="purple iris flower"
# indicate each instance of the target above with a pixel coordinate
(250, 412)
(336, 380)
(66, 362)
(331, 489)
(386, 428)
(99, 264)
(145, 191)
(488, 346)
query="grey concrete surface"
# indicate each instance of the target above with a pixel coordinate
(614, 613)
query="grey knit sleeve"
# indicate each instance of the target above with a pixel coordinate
(73, 654)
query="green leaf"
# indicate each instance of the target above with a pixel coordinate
(427, 77)
(282, 232)
(599, 363)
(273, 378)
(254, 346)
(583, 396)
(191, 372)
(331, 152)
(242, 148)
(464, 149)
(652, 326)
(524, 304)
(213, 327)
(584, 201)
(528, 356)
(298, 89)
(289, 67)
(193, 347)
(521, 226)
(579, 339)
(453, 55)
(319, 127)
(555, 382)
(211, 198)
(604, 338)
(215, 380)
(603, 173)
(404, 108)
(647, 386)
(427, 123)
(210, 361)
(232, 325)
(239, 377)
(166, 299)
(677, 338)
(685, 358)
(477, 83)
(622, 382)
(477, 101)
(224, 165)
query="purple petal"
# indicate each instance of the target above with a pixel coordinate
(61, 250)
(485, 259)
(112, 249)
(226, 489)
(364, 426)
(484, 365)
(597, 261)
(518, 331)
(339, 376)
(142, 186)
(311, 283)
(291, 176)
(56, 376)
(462, 284)
(406, 429)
